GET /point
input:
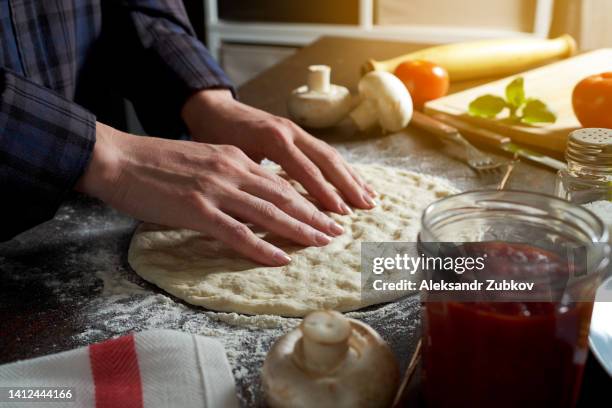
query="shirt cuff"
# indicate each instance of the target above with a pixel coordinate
(46, 142)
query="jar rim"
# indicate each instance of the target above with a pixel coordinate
(599, 229)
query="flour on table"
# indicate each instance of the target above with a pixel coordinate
(201, 270)
(115, 286)
(120, 310)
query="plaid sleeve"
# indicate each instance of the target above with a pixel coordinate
(45, 144)
(171, 62)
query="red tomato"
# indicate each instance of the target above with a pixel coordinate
(425, 80)
(592, 101)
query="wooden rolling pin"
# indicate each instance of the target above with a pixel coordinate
(486, 58)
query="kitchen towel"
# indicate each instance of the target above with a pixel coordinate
(152, 369)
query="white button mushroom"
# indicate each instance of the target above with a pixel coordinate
(330, 361)
(319, 104)
(384, 100)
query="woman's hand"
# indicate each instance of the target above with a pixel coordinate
(213, 116)
(205, 188)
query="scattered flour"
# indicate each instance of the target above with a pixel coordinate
(124, 306)
(116, 286)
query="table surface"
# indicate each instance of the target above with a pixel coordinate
(41, 314)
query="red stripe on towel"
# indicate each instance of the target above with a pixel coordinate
(114, 366)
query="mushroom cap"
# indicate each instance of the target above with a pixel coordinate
(368, 374)
(319, 109)
(390, 98)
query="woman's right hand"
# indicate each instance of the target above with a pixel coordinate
(202, 187)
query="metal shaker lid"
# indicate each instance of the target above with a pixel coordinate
(591, 147)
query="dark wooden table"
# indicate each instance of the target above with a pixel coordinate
(35, 321)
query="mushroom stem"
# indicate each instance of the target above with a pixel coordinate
(364, 115)
(325, 340)
(318, 79)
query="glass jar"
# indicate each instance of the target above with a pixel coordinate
(527, 353)
(588, 176)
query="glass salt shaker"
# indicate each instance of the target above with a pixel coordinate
(588, 175)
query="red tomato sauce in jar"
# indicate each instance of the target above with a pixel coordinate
(505, 354)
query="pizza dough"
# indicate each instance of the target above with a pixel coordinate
(205, 272)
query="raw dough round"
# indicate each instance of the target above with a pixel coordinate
(205, 272)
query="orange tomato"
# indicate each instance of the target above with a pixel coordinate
(592, 101)
(425, 80)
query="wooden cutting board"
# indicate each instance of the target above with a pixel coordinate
(552, 83)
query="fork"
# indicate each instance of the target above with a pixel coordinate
(482, 163)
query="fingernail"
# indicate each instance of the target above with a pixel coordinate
(335, 228)
(369, 201)
(281, 258)
(345, 209)
(322, 239)
(372, 192)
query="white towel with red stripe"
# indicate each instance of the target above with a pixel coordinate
(152, 369)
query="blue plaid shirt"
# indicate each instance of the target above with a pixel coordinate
(61, 63)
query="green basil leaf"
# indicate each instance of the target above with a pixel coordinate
(536, 111)
(486, 106)
(515, 92)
